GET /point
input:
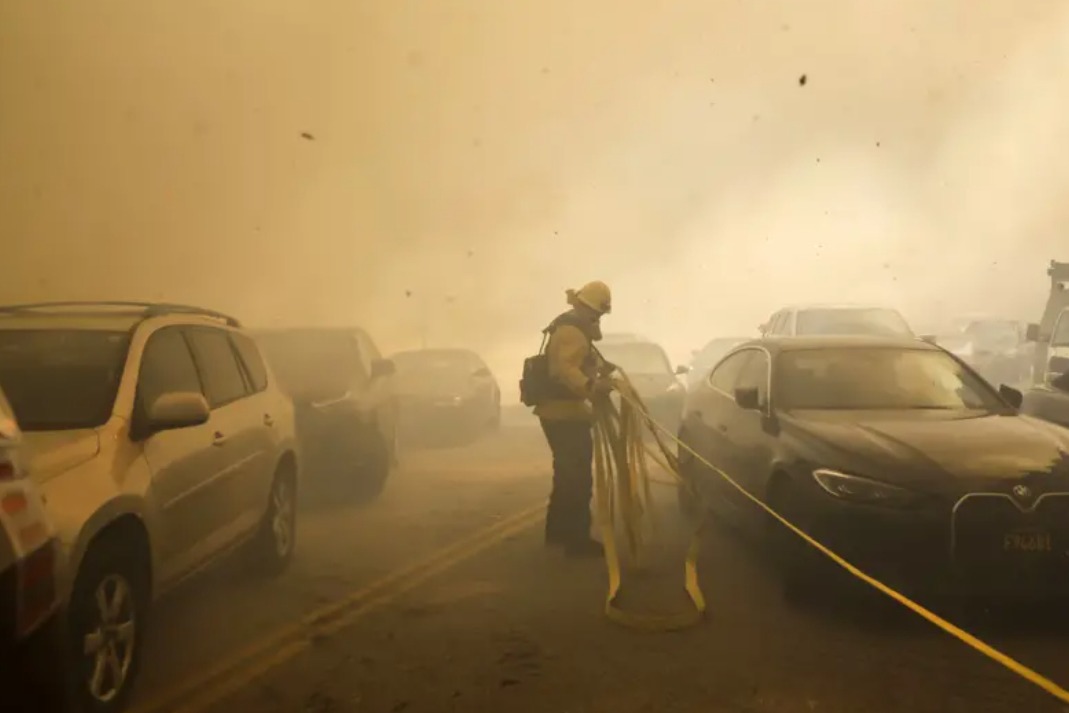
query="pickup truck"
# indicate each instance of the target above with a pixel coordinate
(1049, 396)
(1051, 402)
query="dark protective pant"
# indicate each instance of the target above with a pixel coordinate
(568, 516)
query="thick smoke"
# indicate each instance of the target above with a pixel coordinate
(441, 172)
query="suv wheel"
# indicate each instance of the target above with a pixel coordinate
(107, 615)
(273, 546)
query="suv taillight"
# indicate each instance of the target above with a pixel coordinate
(37, 592)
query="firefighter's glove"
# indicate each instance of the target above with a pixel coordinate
(602, 386)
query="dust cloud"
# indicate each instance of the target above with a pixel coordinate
(442, 171)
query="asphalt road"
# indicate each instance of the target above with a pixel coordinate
(381, 612)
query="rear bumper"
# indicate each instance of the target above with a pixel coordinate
(445, 413)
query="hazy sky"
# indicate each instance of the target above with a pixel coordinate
(501, 152)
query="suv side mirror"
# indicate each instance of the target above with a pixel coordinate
(482, 373)
(382, 368)
(1031, 333)
(1011, 395)
(180, 409)
(682, 370)
(748, 398)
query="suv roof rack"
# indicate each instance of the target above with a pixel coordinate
(147, 309)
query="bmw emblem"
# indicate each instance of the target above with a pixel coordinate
(1022, 492)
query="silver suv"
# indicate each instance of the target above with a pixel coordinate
(160, 443)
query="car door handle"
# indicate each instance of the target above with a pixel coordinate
(219, 439)
(268, 421)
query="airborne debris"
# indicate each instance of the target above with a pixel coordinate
(802, 80)
(307, 136)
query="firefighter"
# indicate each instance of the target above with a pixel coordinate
(576, 377)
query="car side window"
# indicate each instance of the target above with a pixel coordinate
(357, 361)
(785, 324)
(218, 366)
(770, 324)
(754, 375)
(166, 367)
(1060, 337)
(727, 372)
(252, 360)
(779, 324)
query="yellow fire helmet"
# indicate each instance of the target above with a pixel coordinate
(595, 295)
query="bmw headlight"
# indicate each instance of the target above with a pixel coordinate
(862, 490)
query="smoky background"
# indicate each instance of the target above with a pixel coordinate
(441, 172)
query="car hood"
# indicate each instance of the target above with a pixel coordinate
(937, 447)
(50, 453)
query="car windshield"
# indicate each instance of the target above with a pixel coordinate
(61, 379)
(421, 369)
(637, 358)
(313, 364)
(993, 333)
(875, 378)
(849, 320)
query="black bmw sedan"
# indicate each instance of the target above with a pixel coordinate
(891, 452)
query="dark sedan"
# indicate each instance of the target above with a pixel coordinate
(649, 370)
(445, 396)
(891, 452)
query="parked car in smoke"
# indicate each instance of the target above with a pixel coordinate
(647, 366)
(704, 359)
(345, 405)
(33, 650)
(892, 453)
(445, 395)
(818, 320)
(160, 444)
(996, 347)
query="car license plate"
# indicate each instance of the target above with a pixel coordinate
(1027, 542)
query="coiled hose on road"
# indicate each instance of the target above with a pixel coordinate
(624, 503)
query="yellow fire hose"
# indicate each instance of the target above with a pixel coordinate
(622, 496)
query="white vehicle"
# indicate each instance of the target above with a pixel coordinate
(1055, 351)
(160, 443)
(836, 320)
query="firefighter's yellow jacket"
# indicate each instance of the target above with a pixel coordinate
(573, 367)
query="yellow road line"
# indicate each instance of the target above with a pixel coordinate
(205, 689)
